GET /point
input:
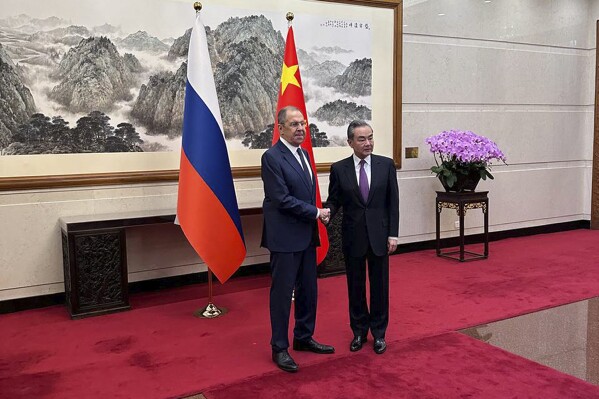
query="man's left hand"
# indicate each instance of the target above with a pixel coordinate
(391, 245)
(324, 215)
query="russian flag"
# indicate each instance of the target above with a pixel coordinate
(207, 207)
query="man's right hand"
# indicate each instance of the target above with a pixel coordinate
(325, 215)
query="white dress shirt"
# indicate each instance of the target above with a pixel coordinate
(293, 150)
(368, 171)
(366, 168)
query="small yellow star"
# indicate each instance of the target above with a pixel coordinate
(288, 77)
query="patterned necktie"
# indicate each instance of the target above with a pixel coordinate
(364, 189)
(304, 166)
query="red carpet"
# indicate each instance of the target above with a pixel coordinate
(159, 350)
(447, 366)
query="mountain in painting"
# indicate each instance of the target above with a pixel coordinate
(16, 101)
(93, 76)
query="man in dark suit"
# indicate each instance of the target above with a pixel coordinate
(365, 187)
(291, 235)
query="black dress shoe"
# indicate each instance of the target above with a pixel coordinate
(312, 346)
(357, 342)
(284, 361)
(380, 346)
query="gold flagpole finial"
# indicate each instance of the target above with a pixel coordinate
(197, 6)
(289, 17)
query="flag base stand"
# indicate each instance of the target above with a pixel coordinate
(211, 311)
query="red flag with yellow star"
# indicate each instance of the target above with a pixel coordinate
(291, 93)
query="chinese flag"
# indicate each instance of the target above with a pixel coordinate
(291, 93)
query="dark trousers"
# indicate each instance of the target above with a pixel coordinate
(360, 318)
(289, 271)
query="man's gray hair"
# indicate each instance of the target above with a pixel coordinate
(353, 125)
(282, 114)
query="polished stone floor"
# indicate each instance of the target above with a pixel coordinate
(565, 338)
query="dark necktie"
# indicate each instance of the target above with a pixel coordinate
(304, 166)
(363, 181)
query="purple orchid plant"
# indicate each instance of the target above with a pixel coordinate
(462, 152)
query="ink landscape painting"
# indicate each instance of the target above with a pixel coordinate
(77, 77)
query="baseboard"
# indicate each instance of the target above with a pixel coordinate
(19, 304)
(495, 235)
(33, 302)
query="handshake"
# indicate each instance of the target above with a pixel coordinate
(324, 215)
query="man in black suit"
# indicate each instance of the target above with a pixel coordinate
(365, 187)
(291, 235)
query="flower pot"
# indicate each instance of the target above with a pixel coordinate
(464, 182)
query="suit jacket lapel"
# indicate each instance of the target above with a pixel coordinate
(291, 160)
(350, 170)
(375, 176)
(312, 182)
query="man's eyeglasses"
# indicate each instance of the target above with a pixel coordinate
(295, 125)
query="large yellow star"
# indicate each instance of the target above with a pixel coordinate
(288, 77)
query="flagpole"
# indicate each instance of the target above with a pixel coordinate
(291, 94)
(289, 16)
(210, 311)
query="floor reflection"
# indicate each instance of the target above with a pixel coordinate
(565, 338)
